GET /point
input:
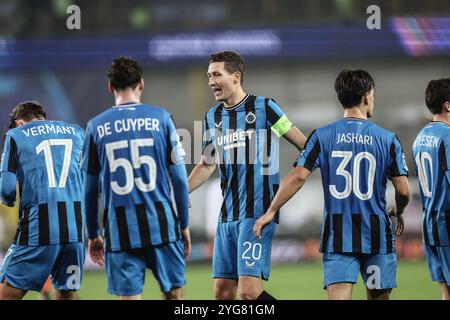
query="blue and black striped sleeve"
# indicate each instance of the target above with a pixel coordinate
(309, 157)
(398, 162)
(444, 156)
(178, 174)
(277, 120)
(8, 172)
(208, 148)
(90, 166)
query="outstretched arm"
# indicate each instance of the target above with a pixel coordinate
(288, 187)
(201, 173)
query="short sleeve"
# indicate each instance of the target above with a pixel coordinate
(309, 157)
(90, 162)
(9, 155)
(277, 121)
(175, 151)
(208, 148)
(398, 162)
(444, 156)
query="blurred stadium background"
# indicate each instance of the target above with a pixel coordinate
(293, 50)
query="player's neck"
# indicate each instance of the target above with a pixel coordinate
(443, 118)
(127, 97)
(235, 99)
(355, 112)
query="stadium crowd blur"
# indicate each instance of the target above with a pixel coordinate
(300, 81)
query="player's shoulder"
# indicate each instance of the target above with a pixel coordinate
(446, 134)
(381, 132)
(77, 127)
(214, 109)
(11, 132)
(326, 129)
(155, 111)
(264, 102)
(101, 116)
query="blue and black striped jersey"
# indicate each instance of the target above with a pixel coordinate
(243, 140)
(356, 157)
(431, 151)
(45, 156)
(128, 148)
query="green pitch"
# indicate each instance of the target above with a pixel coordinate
(287, 281)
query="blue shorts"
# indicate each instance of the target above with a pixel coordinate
(379, 271)
(438, 258)
(125, 270)
(27, 267)
(238, 253)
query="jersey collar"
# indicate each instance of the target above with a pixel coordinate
(439, 121)
(127, 105)
(236, 105)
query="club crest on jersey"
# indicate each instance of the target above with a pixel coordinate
(250, 118)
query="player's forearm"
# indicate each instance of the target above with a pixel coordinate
(288, 188)
(200, 174)
(296, 137)
(401, 201)
(178, 176)
(402, 192)
(8, 188)
(91, 204)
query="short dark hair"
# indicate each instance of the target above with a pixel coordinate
(436, 94)
(351, 85)
(27, 110)
(124, 72)
(233, 61)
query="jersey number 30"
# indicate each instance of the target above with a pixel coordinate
(352, 181)
(136, 162)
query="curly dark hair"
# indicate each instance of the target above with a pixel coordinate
(125, 72)
(351, 85)
(27, 110)
(436, 94)
(233, 61)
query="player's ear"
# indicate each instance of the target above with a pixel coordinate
(236, 77)
(446, 106)
(110, 88)
(19, 123)
(365, 99)
(141, 84)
